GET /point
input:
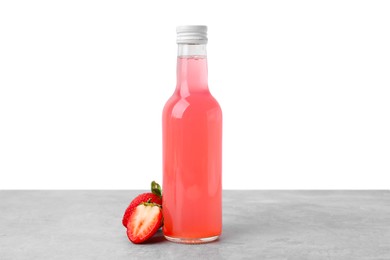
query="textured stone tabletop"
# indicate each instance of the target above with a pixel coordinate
(257, 225)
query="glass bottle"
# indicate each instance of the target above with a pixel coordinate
(192, 147)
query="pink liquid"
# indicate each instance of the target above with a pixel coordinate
(192, 156)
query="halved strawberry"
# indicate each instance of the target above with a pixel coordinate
(144, 222)
(154, 196)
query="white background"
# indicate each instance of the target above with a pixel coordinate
(303, 85)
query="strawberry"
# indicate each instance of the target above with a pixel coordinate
(144, 222)
(154, 196)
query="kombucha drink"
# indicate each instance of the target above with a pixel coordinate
(192, 147)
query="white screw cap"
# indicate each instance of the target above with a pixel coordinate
(191, 34)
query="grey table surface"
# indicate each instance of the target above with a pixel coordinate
(256, 225)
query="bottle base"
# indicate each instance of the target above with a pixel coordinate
(191, 240)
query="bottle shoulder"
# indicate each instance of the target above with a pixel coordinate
(205, 100)
(202, 103)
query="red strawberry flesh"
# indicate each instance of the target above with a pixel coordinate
(144, 222)
(144, 197)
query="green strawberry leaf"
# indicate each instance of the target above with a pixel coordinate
(156, 189)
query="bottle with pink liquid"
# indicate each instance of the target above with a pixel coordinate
(192, 147)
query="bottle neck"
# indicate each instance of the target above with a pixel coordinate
(191, 69)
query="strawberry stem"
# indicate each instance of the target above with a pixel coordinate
(156, 189)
